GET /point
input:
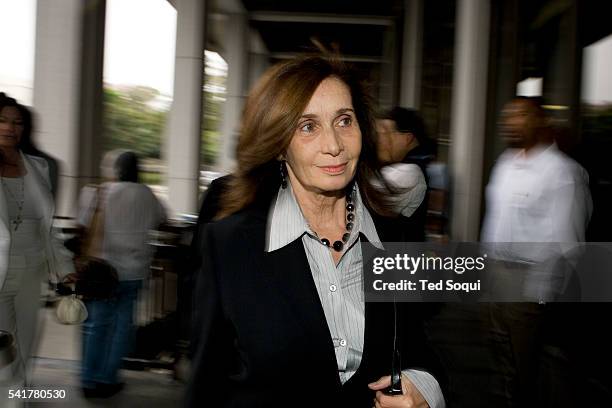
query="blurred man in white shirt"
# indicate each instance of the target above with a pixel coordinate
(538, 208)
(536, 193)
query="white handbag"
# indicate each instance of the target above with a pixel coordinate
(71, 310)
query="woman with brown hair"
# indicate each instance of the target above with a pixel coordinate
(279, 310)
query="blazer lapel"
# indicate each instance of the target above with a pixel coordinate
(5, 237)
(289, 275)
(4, 218)
(41, 191)
(378, 320)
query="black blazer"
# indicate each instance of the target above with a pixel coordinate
(260, 334)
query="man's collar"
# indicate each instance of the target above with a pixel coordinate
(536, 152)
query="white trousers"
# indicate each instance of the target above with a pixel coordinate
(19, 314)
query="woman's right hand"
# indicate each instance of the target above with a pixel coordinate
(411, 397)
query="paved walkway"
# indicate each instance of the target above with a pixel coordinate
(57, 366)
(143, 388)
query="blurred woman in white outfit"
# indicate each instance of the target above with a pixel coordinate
(28, 251)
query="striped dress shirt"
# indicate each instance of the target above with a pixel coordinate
(339, 286)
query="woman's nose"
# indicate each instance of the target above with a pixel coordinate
(331, 142)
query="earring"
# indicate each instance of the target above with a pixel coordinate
(283, 174)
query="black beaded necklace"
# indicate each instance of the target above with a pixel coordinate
(338, 246)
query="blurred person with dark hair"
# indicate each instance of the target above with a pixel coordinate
(418, 148)
(29, 147)
(29, 253)
(406, 152)
(538, 208)
(280, 319)
(130, 210)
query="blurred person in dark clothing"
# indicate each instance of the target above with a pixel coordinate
(406, 152)
(209, 209)
(392, 146)
(538, 208)
(210, 206)
(415, 147)
(130, 211)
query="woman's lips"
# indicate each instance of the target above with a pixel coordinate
(337, 169)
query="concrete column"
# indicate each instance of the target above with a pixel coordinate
(183, 133)
(259, 59)
(236, 55)
(92, 91)
(412, 60)
(67, 91)
(258, 64)
(468, 116)
(388, 89)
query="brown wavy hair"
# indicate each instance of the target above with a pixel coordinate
(270, 117)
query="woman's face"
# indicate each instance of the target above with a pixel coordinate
(324, 151)
(11, 127)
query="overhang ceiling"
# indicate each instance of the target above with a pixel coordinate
(356, 28)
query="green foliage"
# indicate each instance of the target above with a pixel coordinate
(151, 179)
(130, 122)
(210, 146)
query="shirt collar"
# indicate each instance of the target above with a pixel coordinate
(536, 153)
(286, 222)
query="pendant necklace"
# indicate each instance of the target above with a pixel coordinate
(19, 202)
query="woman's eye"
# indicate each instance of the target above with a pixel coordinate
(307, 127)
(345, 122)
